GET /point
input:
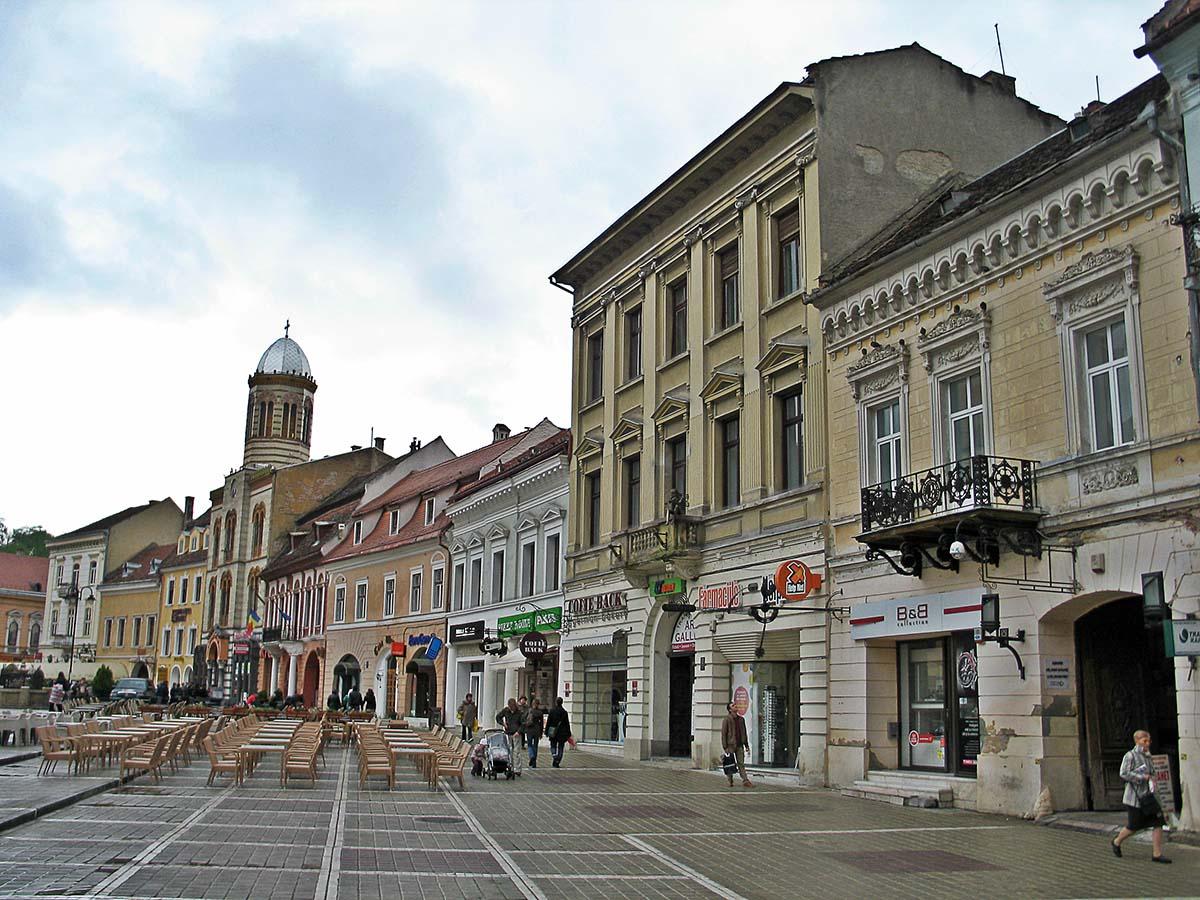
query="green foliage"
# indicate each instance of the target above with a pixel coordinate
(37, 680)
(102, 682)
(29, 541)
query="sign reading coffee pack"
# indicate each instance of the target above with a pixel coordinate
(536, 620)
(720, 596)
(534, 646)
(597, 608)
(466, 631)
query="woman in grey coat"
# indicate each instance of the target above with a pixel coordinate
(1139, 800)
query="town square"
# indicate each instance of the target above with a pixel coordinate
(537, 449)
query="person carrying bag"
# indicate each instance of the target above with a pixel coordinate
(1141, 805)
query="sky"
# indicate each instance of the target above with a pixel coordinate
(397, 179)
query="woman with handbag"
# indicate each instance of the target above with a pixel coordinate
(1140, 803)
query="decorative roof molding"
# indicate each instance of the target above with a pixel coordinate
(590, 444)
(1098, 279)
(628, 428)
(785, 352)
(880, 368)
(1117, 186)
(553, 514)
(962, 334)
(726, 380)
(497, 532)
(675, 403)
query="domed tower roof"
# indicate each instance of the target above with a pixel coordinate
(284, 357)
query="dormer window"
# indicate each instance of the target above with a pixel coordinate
(394, 522)
(358, 531)
(429, 511)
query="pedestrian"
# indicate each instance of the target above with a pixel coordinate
(1141, 805)
(62, 679)
(56, 697)
(734, 740)
(558, 730)
(354, 699)
(534, 723)
(163, 693)
(277, 699)
(509, 718)
(522, 708)
(334, 703)
(369, 700)
(468, 712)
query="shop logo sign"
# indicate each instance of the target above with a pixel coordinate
(795, 581)
(720, 596)
(968, 670)
(916, 616)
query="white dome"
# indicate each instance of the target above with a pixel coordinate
(284, 357)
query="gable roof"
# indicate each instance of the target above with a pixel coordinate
(138, 566)
(24, 573)
(107, 522)
(552, 446)
(954, 196)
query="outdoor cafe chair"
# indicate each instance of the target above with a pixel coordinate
(147, 757)
(55, 749)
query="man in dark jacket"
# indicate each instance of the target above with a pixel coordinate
(509, 719)
(354, 699)
(334, 703)
(534, 722)
(558, 730)
(734, 740)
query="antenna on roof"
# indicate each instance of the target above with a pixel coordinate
(999, 47)
(1098, 88)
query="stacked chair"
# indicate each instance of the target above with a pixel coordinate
(300, 758)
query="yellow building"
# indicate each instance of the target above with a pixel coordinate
(1013, 427)
(182, 603)
(128, 614)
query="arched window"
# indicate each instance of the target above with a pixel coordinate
(14, 633)
(35, 635)
(256, 529)
(216, 539)
(271, 418)
(307, 421)
(226, 590)
(262, 418)
(212, 603)
(230, 532)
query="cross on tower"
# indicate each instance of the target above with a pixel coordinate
(286, 325)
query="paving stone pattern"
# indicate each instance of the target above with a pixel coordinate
(598, 828)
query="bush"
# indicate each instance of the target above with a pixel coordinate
(102, 683)
(37, 680)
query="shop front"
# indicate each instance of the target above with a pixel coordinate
(595, 684)
(534, 663)
(465, 663)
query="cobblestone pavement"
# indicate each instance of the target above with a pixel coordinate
(600, 827)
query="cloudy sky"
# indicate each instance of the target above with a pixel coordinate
(397, 179)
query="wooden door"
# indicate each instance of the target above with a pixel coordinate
(680, 711)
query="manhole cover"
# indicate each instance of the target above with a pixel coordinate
(437, 820)
(645, 811)
(908, 861)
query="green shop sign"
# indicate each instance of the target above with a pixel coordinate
(537, 620)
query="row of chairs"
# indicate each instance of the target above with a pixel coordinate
(300, 758)
(169, 750)
(222, 748)
(450, 757)
(374, 756)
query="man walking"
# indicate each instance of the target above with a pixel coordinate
(467, 713)
(734, 740)
(534, 723)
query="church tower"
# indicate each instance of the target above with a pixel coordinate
(280, 408)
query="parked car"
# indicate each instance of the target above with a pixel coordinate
(133, 689)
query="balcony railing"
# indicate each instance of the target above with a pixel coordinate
(658, 543)
(962, 486)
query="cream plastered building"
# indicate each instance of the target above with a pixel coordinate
(1008, 369)
(181, 602)
(698, 367)
(128, 626)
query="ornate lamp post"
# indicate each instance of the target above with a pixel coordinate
(72, 593)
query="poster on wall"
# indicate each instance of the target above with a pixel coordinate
(742, 695)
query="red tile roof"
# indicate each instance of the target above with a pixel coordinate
(24, 573)
(137, 567)
(552, 446)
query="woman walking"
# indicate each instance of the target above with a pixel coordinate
(558, 730)
(1141, 805)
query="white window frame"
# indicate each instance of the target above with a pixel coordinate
(92, 565)
(416, 589)
(394, 521)
(555, 559)
(878, 379)
(389, 595)
(357, 531)
(459, 588)
(501, 552)
(430, 510)
(199, 592)
(192, 636)
(121, 631)
(951, 348)
(528, 579)
(361, 600)
(179, 640)
(1109, 370)
(475, 586)
(437, 588)
(87, 620)
(893, 442)
(339, 602)
(136, 637)
(108, 632)
(976, 409)
(170, 592)
(166, 641)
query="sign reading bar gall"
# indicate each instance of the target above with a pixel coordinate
(720, 596)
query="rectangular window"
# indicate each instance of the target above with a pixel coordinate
(121, 632)
(552, 562)
(592, 492)
(730, 462)
(339, 603)
(791, 449)
(437, 594)
(528, 567)
(389, 596)
(183, 589)
(137, 631)
(677, 465)
(677, 319)
(963, 401)
(727, 275)
(170, 591)
(92, 572)
(787, 231)
(429, 511)
(108, 626)
(198, 593)
(166, 642)
(884, 456)
(87, 622)
(59, 577)
(358, 532)
(459, 578)
(497, 576)
(414, 592)
(360, 601)
(394, 521)
(1110, 401)
(633, 344)
(191, 640)
(595, 371)
(476, 582)
(179, 641)
(75, 574)
(151, 621)
(633, 491)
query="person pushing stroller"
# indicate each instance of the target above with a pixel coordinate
(510, 719)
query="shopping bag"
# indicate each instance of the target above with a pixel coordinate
(571, 742)
(729, 763)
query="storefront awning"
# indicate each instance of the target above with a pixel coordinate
(777, 645)
(599, 640)
(514, 660)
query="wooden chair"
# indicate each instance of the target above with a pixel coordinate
(55, 749)
(146, 757)
(450, 765)
(220, 764)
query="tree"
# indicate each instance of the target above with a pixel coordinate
(102, 682)
(28, 541)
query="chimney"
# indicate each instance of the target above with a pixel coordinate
(379, 443)
(354, 448)
(500, 431)
(189, 507)
(1005, 84)
(1092, 108)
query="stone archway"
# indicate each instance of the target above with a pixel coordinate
(347, 674)
(311, 689)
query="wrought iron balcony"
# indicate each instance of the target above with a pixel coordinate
(648, 550)
(919, 507)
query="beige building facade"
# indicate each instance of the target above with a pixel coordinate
(698, 403)
(1012, 421)
(181, 603)
(128, 625)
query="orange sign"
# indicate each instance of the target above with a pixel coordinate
(795, 581)
(741, 700)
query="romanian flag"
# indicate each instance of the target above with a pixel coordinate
(255, 619)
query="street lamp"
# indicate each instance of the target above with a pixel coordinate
(72, 593)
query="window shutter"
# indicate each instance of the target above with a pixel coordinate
(729, 262)
(788, 223)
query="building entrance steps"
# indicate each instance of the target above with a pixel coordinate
(930, 790)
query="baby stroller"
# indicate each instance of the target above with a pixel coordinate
(496, 757)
